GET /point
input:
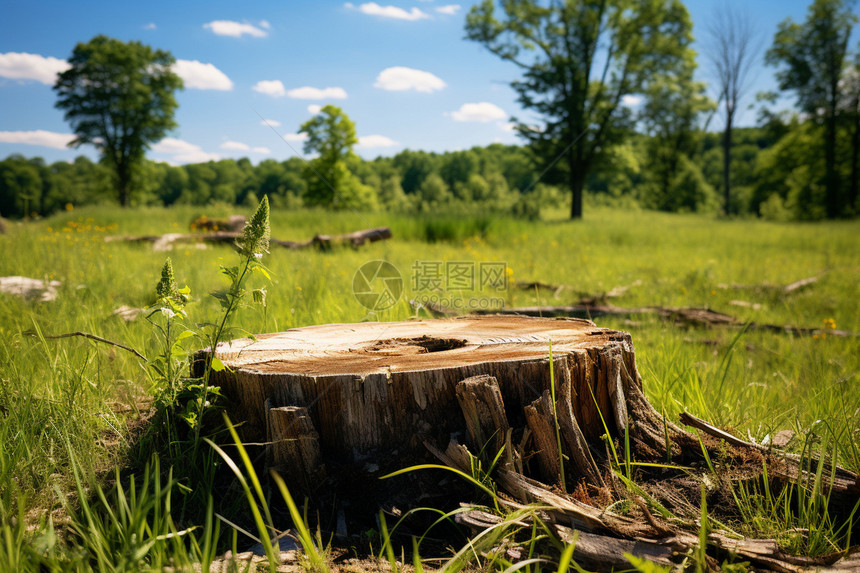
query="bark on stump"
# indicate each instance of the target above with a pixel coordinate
(374, 388)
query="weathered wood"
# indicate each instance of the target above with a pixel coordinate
(294, 449)
(386, 386)
(539, 418)
(354, 239)
(206, 224)
(484, 412)
(783, 290)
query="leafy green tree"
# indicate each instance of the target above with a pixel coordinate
(811, 57)
(433, 193)
(20, 186)
(850, 109)
(579, 58)
(119, 97)
(330, 183)
(670, 115)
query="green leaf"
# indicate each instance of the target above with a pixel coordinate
(217, 365)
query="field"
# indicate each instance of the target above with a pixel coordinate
(72, 409)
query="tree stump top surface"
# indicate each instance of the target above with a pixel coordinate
(375, 347)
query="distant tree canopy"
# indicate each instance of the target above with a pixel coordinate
(118, 96)
(811, 57)
(631, 132)
(579, 59)
(330, 182)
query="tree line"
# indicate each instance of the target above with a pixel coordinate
(582, 63)
(498, 178)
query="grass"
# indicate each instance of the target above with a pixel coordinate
(70, 407)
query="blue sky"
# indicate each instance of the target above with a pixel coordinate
(400, 69)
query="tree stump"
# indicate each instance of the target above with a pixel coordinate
(371, 389)
(557, 427)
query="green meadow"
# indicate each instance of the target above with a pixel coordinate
(73, 410)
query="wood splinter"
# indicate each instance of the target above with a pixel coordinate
(294, 448)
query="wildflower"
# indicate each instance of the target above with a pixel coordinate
(166, 287)
(70, 207)
(255, 236)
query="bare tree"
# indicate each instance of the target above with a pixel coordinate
(734, 47)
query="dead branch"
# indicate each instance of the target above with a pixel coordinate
(687, 316)
(91, 337)
(354, 239)
(784, 290)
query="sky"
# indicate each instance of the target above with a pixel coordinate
(254, 71)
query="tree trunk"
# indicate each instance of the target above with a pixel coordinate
(123, 184)
(727, 165)
(855, 156)
(577, 182)
(832, 190)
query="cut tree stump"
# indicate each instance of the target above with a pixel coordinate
(376, 387)
(384, 396)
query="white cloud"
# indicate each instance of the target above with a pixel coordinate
(183, 151)
(507, 126)
(235, 146)
(150, 26)
(239, 146)
(270, 123)
(295, 137)
(265, 24)
(23, 66)
(307, 92)
(373, 141)
(399, 78)
(237, 29)
(483, 111)
(395, 12)
(171, 145)
(274, 88)
(631, 100)
(314, 109)
(199, 76)
(450, 9)
(196, 157)
(37, 137)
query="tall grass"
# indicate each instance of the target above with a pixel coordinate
(68, 407)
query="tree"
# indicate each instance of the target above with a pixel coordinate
(331, 135)
(119, 97)
(812, 56)
(732, 51)
(579, 59)
(850, 109)
(670, 117)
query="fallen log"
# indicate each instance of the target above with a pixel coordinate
(165, 242)
(584, 297)
(782, 290)
(688, 316)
